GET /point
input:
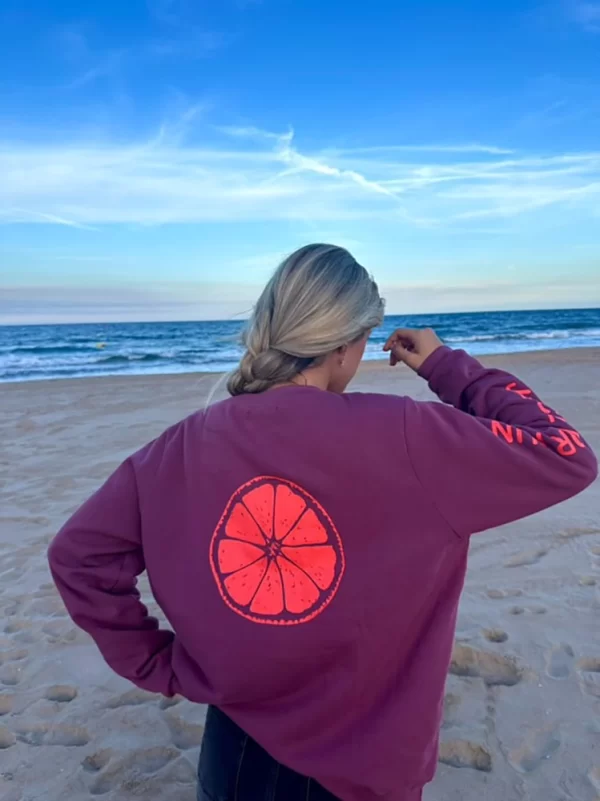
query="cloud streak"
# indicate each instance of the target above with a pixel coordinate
(428, 148)
(106, 67)
(189, 300)
(189, 172)
(586, 13)
(19, 215)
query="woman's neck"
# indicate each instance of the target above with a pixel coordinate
(315, 378)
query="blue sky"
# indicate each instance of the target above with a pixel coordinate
(158, 157)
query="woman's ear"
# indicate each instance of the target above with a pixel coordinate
(342, 354)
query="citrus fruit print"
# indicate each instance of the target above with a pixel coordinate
(276, 555)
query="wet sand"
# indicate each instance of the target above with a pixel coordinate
(522, 714)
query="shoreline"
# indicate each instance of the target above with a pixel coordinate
(580, 354)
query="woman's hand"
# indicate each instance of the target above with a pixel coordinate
(412, 346)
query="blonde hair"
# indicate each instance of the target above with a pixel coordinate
(319, 299)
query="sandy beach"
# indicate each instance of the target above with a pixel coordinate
(522, 718)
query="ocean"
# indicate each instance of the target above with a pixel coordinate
(29, 353)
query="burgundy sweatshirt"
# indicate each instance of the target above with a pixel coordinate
(309, 551)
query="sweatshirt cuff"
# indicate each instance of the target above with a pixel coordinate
(431, 363)
(449, 373)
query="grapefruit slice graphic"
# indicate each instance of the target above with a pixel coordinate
(276, 555)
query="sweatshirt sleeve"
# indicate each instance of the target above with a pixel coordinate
(95, 560)
(499, 455)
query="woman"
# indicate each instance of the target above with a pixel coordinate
(309, 547)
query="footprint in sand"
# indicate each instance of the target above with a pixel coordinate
(538, 746)
(558, 661)
(6, 704)
(11, 568)
(11, 793)
(526, 558)
(61, 693)
(13, 655)
(520, 610)
(587, 581)
(167, 703)
(494, 669)
(184, 735)
(7, 738)
(26, 638)
(60, 631)
(590, 664)
(124, 773)
(38, 734)
(46, 607)
(497, 595)
(133, 697)
(46, 591)
(452, 702)
(16, 626)
(180, 772)
(10, 675)
(572, 533)
(590, 684)
(98, 761)
(13, 574)
(465, 754)
(495, 635)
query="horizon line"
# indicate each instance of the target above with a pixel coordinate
(245, 319)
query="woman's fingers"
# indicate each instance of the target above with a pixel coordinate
(403, 355)
(411, 346)
(402, 336)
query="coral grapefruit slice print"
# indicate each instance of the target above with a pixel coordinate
(276, 555)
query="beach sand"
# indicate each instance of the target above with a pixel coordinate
(523, 697)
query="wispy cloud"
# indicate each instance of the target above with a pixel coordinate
(105, 67)
(188, 171)
(20, 215)
(173, 37)
(99, 302)
(197, 43)
(298, 163)
(76, 259)
(585, 13)
(180, 36)
(429, 148)
(555, 112)
(102, 302)
(173, 132)
(74, 43)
